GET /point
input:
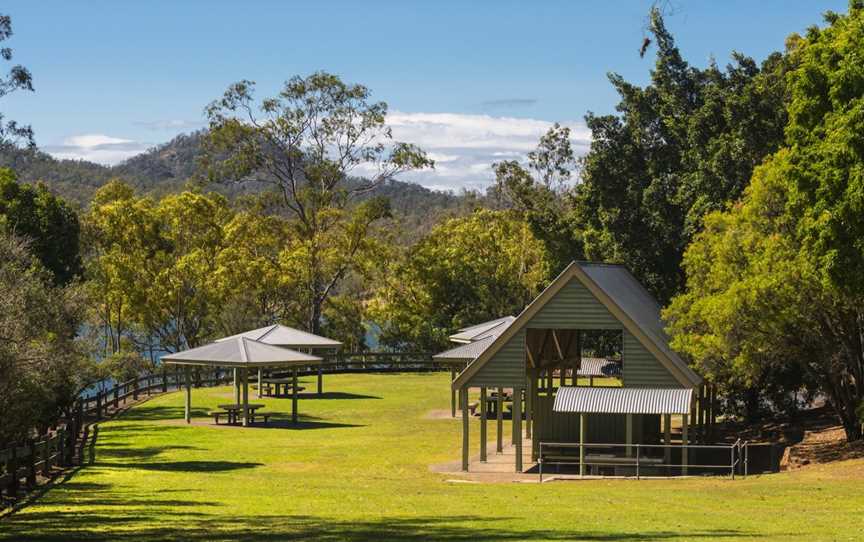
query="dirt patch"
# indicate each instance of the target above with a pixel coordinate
(821, 446)
(441, 414)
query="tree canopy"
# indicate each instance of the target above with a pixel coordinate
(776, 281)
(307, 142)
(46, 221)
(465, 271)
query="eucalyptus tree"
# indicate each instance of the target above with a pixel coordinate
(319, 143)
(17, 78)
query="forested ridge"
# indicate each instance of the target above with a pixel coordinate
(732, 191)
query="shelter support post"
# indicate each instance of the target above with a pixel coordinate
(452, 393)
(236, 386)
(499, 417)
(483, 425)
(703, 414)
(712, 415)
(684, 442)
(245, 397)
(260, 381)
(667, 438)
(463, 405)
(294, 397)
(320, 380)
(517, 426)
(629, 434)
(529, 404)
(188, 403)
(582, 422)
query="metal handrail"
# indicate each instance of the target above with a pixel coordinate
(735, 451)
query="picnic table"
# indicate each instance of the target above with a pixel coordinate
(492, 403)
(236, 410)
(286, 383)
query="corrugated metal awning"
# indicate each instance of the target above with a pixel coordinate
(599, 367)
(622, 400)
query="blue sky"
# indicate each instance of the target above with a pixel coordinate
(472, 82)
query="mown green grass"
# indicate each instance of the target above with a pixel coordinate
(358, 470)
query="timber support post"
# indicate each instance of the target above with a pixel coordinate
(517, 426)
(463, 400)
(483, 425)
(294, 397)
(499, 418)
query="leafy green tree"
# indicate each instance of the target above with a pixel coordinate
(540, 190)
(18, 78)
(47, 221)
(42, 366)
(152, 265)
(777, 280)
(307, 142)
(467, 270)
(680, 147)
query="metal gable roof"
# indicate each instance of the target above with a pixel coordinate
(483, 336)
(479, 331)
(242, 352)
(279, 335)
(606, 400)
(612, 285)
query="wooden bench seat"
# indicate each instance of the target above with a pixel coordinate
(218, 414)
(265, 415)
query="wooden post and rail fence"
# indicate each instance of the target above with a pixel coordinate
(64, 445)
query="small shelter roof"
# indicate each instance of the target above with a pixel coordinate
(241, 352)
(607, 400)
(480, 331)
(279, 335)
(465, 352)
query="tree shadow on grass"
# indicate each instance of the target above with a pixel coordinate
(302, 424)
(129, 452)
(333, 395)
(98, 527)
(161, 412)
(188, 466)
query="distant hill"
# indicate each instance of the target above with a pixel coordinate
(167, 168)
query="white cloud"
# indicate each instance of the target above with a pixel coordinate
(99, 148)
(470, 144)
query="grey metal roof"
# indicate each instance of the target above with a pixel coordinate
(599, 367)
(480, 331)
(607, 400)
(484, 335)
(241, 352)
(629, 294)
(465, 352)
(279, 335)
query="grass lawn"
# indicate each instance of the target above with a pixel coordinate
(357, 469)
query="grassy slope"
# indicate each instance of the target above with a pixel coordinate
(359, 471)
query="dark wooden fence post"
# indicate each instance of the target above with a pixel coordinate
(31, 463)
(116, 396)
(61, 451)
(12, 469)
(98, 405)
(135, 389)
(46, 455)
